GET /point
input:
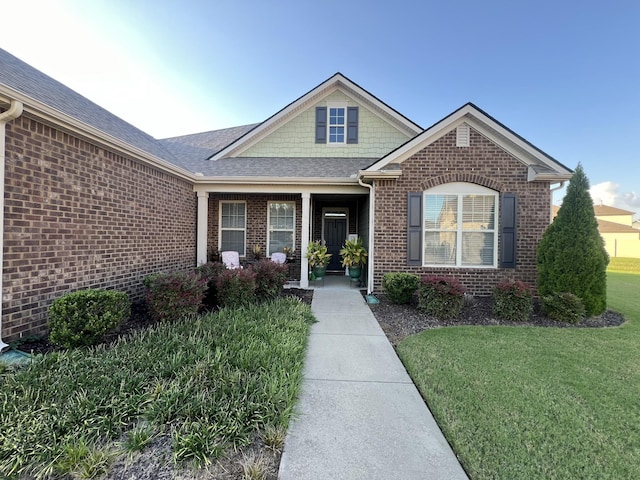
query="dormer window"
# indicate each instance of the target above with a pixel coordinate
(337, 124)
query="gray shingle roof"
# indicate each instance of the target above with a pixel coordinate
(191, 150)
(22, 77)
(284, 167)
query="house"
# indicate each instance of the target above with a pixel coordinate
(91, 201)
(620, 237)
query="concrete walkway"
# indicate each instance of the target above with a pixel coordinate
(359, 415)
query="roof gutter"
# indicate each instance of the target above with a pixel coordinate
(15, 110)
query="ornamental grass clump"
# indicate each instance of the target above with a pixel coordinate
(441, 297)
(173, 295)
(400, 286)
(83, 317)
(511, 300)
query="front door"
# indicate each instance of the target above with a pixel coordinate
(335, 233)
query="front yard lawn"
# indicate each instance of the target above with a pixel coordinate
(204, 386)
(537, 403)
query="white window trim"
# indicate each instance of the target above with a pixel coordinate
(220, 228)
(331, 105)
(269, 203)
(461, 189)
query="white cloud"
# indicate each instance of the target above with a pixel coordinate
(608, 193)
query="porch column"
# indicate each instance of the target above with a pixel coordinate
(202, 229)
(304, 240)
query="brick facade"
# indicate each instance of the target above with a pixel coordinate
(79, 216)
(483, 163)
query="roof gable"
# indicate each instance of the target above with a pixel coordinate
(337, 82)
(605, 210)
(541, 166)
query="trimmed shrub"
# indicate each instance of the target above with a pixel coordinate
(571, 256)
(563, 307)
(209, 271)
(270, 279)
(83, 317)
(236, 287)
(512, 300)
(174, 295)
(400, 286)
(441, 297)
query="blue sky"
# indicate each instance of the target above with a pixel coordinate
(563, 74)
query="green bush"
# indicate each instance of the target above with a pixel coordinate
(441, 297)
(209, 271)
(400, 287)
(173, 295)
(563, 307)
(270, 279)
(83, 317)
(512, 300)
(571, 256)
(236, 287)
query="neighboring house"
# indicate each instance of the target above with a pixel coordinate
(91, 201)
(615, 225)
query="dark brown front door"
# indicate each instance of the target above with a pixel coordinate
(335, 233)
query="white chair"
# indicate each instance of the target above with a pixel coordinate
(278, 257)
(231, 260)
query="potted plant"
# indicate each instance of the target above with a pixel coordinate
(354, 256)
(318, 258)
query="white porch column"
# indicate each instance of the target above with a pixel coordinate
(202, 229)
(304, 240)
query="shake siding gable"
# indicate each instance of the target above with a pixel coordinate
(297, 137)
(483, 163)
(78, 216)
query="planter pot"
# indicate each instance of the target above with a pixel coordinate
(319, 271)
(355, 272)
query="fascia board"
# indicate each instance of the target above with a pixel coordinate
(379, 174)
(486, 126)
(224, 186)
(278, 180)
(56, 118)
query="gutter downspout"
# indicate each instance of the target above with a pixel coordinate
(372, 211)
(15, 110)
(553, 189)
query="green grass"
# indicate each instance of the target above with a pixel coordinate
(628, 265)
(537, 403)
(210, 384)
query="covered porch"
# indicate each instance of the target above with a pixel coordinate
(276, 217)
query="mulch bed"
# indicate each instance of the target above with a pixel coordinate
(400, 321)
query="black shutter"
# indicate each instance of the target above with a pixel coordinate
(352, 124)
(414, 228)
(508, 214)
(321, 124)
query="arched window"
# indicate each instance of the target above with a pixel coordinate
(459, 225)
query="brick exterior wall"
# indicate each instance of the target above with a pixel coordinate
(483, 163)
(257, 210)
(78, 216)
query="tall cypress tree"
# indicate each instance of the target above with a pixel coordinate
(571, 254)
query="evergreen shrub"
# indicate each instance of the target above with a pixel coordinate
(83, 317)
(571, 256)
(236, 287)
(400, 286)
(270, 279)
(209, 271)
(174, 295)
(511, 300)
(441, 297)
(563, 307)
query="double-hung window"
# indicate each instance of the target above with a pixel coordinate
(282, 222)
(233, 227)
(459, 225)
(336, 124)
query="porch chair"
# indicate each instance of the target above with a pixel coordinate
(278, 257)
(231, 260)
